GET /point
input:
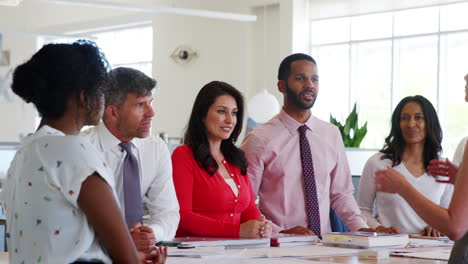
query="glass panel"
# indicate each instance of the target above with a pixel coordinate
(417, 21)
(127, 46)
(146, 68)
(371, 26)
(371, 67)
(454, 111)
(330, 30)
(333, 69)
(415, 68)
(454, 17)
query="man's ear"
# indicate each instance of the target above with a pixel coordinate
(281, 86)
(112, 112)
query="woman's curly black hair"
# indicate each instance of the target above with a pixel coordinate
(57, 72)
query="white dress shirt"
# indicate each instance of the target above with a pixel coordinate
(389, 209)
(44, 221)
(157, 186)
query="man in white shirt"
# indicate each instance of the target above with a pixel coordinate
(127, 120)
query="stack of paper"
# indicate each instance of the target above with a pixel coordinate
(289, 240)
(439, 254)
(365, 239)
(227, 242)
(416, 242)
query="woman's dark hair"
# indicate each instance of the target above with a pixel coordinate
(195, 135)
(394, 143)
(57, 72)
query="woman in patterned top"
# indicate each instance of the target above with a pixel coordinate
(53, 215)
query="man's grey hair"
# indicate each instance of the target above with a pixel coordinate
(124, 80)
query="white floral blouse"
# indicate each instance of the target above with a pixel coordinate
(44, 222)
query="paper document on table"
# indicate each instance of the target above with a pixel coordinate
(300, 251)
(443, 238)
(197, 252)
(438, 254)
(245, 261)
(416, 242)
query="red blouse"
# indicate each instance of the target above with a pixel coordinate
(208, 206)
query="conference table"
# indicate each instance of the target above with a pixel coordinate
(348, 259)
(337, 259)
(391, 260)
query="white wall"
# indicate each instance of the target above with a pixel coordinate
(221, 47)
(234, 52)
(17, 117)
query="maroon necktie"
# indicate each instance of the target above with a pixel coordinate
(311, 201)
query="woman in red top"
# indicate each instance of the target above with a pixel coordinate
(210, 172)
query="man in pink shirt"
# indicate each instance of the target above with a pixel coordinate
(274, 158)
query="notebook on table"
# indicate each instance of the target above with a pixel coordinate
(365, 240)
(290, 240)
(227, 242)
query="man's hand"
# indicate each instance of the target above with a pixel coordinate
(298, 230)
(143, 237)
(429, 231)
(390, 230)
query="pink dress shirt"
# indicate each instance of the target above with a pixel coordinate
(275, 172)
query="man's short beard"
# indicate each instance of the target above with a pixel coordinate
(294, 99)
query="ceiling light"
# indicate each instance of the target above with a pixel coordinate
(10, 2)
(156, 9)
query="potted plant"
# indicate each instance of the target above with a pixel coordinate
(352, 136)
(351, 133)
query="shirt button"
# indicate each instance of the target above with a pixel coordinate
(232, 214)
(235, 200)
(232, 174)
(224, 161)
(238, 186)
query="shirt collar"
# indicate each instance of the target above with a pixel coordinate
(107, 140)
(45, 130)
(292, 124)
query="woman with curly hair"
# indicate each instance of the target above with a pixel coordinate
(59, 195)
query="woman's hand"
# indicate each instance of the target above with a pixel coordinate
(390, 230)
(390, 181)
(253, 228)
(158, 256)
(429, 231)
(265, 230)
(443, 168)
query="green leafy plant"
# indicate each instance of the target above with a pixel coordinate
(351, 133)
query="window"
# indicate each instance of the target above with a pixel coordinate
(131, 47)
(377, 59)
